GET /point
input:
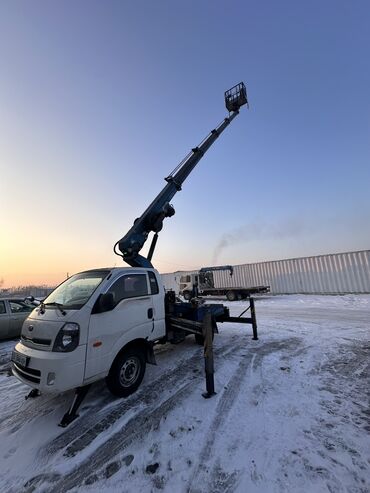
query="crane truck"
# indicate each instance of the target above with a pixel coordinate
(103, 323)
(204, 283)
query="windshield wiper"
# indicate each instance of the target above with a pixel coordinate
(58, 305)
(42, 307)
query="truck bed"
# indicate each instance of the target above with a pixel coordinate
(249, 290)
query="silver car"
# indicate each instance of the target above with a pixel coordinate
(13, 312)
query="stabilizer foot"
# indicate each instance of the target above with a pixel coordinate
(71, 414)
(208, 395)
(34, 393)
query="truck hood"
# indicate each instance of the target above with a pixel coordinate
(51, 314)
(40, 329)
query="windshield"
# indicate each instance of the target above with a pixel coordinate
(73, 293)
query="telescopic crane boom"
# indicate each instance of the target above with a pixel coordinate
(152, 219)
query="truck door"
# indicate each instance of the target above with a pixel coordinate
(4, 320)
(159, 324)
(131, 318)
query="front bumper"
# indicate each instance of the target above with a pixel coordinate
(68, 369)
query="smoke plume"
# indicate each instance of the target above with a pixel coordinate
(258, 231)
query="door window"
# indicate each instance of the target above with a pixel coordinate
(20, 306)
(129, 286)
(153, 283)
(2, 308)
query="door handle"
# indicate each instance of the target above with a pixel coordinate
(150, 313)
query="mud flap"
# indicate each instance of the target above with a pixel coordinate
(150, 358)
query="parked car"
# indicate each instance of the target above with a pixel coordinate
(13, 312)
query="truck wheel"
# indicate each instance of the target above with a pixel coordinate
(187, 295)
(127, 372)
(231, 295)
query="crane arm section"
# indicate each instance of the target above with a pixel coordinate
(152, 219)
(218, 267)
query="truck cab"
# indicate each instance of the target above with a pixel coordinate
(96, 324)
(187, 284)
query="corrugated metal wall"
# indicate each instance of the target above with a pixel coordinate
(324, 274)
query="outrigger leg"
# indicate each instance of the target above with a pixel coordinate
(71, 415)
(208, 356)
(34, 393)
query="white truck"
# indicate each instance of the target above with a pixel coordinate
(93, 319)
(204, 283)
(103, 323)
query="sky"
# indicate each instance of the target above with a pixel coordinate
(99, 101)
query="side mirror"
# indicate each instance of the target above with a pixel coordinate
(106, 302)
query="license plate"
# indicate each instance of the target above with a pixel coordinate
(20, 358)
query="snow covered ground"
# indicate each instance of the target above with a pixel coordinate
(291, 413)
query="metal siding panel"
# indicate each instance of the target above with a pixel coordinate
(259, 274)
(335, 273)
(288, 270)
(298, 268)
(265, 274)
(361, 271)
(329, 273)
(338, 274)
(367, 260)
(248, 270)
(365, 270)
(358, 272)
(270, 274)
(343, 273)
(323, 277)
(297, 281)
(350, 271)
(254, 275)
(283, 288)
(246, 273)
(272, 280)
(307, 276)
(318, 277)
(355, 275)
(285, 276)
(280, 283)
(313, 276)
(346, 281)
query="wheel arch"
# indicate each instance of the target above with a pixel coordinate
(139, 343)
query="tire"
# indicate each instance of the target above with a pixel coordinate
(187, 295)
(231, 295)
(127, 372)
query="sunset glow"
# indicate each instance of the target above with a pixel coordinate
(98, 104)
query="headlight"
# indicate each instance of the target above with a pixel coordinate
(67, 338)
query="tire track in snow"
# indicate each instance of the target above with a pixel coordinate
(138, 425)
(223, 408)
(6, 348)
(94, 424)
(136, 428)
